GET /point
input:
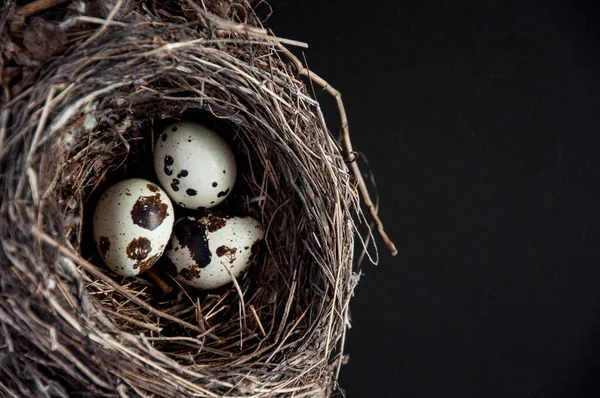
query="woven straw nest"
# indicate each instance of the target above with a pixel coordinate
(85, 87)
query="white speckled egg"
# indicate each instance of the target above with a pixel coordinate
(133, 221)
(194, 165)
(209, 250)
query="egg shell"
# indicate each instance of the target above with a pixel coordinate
(194, 165)
(133, 221)
(209, 250)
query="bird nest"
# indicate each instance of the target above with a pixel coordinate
(85, 87)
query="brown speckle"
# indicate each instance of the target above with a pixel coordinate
(174, 187)
(138, 249)
(174, 129)
(149, 212)
(224, 171)
(213, 222)
(164, 137)
(223, 193)
(104, 245)
(214, 184)
(191, 192)
(191, 234)
(190, 273)
(228, 252)
(168, 169)
(152, 187)
(146, 264)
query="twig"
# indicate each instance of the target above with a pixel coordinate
(260, 326)
(104, 26)
(84, 18)
(144, 325)
(230, 26)
(362, 186)
(155, 276)
(38, 6)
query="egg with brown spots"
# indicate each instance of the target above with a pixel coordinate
(133, 221)
(210, 250)
(194, 165)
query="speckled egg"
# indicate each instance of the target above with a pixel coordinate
(194, 165)
(133, 221)
(209, 250)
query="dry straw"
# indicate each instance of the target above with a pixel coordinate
(82, 96)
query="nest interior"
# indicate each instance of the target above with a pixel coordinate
(82, 103)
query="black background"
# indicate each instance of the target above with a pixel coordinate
(481, 120)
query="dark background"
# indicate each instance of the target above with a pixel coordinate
(481, 120)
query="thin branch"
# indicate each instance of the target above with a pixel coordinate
(362, 186)
(38, 6)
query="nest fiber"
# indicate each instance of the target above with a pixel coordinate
(85, 87)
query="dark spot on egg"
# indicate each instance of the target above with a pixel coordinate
(146, 264)
(191, 234)
(223, 193)
(213, 222)
(174, 186)
(174, 129)
(224, 171)
(175, 181)
(168, 169)
(184, 173)
(164, 137)
(149, 212)
(246, 247)
(212, 202)
(152, 187)
(103, 245)
(227, 251)
(191, 192)
(214, 184)
(190, 273)
(138, 249)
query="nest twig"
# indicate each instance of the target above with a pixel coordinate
(80, 112)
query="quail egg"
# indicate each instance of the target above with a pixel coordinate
(194, 165)
(132, 223)
(209, 250)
